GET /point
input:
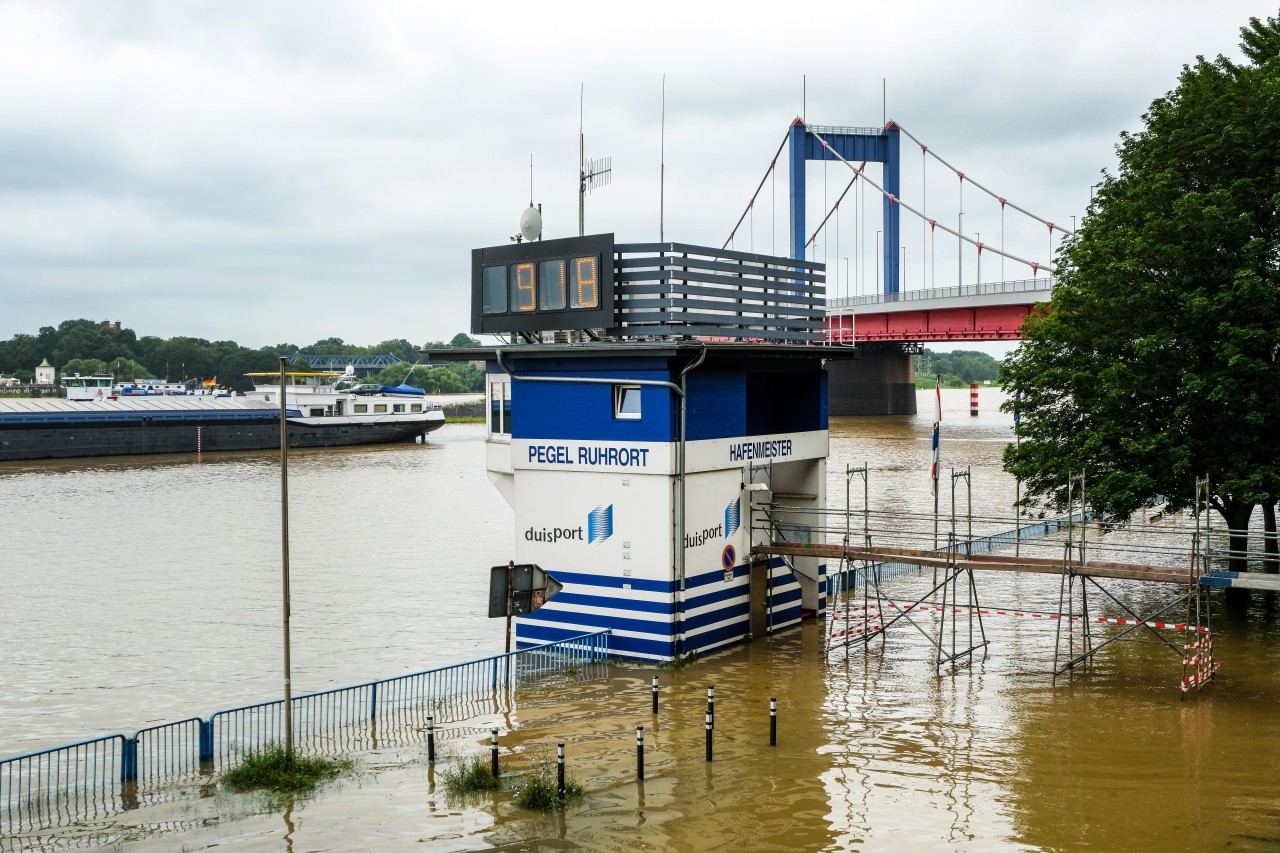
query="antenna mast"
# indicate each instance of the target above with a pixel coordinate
(662, 162)
(591, 173)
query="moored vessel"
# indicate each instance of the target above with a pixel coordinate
(319, 414)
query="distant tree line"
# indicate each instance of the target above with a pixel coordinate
(88, 346)
(960, 367)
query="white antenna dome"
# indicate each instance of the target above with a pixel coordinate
(531, 223)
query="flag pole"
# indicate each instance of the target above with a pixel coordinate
(937, 455)
(1017, 482)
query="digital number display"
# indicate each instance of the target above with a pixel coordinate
(543, 285)
(523, 285)
(554, 278)
(586, 283)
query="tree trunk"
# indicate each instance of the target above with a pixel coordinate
(1236, 513)
(1270, 545)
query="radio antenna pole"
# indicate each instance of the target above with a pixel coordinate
(582, 171)
(591, 173)
(662, 161)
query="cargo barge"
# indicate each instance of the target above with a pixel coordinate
(317, 415)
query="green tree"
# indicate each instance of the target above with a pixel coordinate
(126, 369)
(19, 353)
(1157, 360)
(84, 366)
(462, 340)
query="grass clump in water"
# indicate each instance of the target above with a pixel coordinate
(469, 776)
(537, 792)
(679, 663)
(272, 770)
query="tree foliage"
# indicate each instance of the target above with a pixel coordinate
(87, 346)
(1156, 361)
(959, 367)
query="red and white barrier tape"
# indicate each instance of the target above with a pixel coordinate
(1174, 626)
(1198, 678)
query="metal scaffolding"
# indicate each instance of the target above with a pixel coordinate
(866, 549)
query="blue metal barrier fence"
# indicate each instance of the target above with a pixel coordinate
(52, 781)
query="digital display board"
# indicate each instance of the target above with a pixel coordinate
(543, 285)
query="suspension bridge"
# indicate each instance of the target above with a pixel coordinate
(873, 301)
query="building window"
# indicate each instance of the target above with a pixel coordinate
(626, 402)
(398, 408)
(499, 402)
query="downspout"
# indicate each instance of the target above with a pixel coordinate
(680, 456)
(680, 518)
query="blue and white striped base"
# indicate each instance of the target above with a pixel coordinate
(642, 614)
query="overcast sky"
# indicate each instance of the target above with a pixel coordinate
(271, 172)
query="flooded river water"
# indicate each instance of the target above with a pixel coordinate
(146, 590)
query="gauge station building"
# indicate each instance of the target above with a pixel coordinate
(654, 410)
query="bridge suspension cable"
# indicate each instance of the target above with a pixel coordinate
(1036, 266)
(752, 203)
(963, 177)
(856, 174)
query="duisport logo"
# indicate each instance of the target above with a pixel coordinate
(732, 521)
(732, 517)
(599, 528)
(600, 523)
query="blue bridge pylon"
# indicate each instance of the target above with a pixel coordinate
(856, 144)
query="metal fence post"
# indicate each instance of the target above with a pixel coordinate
(493, 754)
(640, 752)
(373, 701)
(206, 739)
(560, 770)
(129, 759)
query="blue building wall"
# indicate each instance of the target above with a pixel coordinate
(771, 398)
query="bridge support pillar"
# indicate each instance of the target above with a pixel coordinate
(879, 383)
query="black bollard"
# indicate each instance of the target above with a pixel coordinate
(639, 752)
(493, 754)
(708, 736)
(711, 703)
(560, 770)
(773, 722)
(655, 694)
(431, 739)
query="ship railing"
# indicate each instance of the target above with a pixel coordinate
(103, 775)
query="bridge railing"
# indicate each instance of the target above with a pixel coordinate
(1027, 285)
(93, 776)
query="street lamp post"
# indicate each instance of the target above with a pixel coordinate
(878, 253)
(284, 557)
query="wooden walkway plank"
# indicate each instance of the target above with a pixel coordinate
(986, 562)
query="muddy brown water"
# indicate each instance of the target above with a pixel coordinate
(141, 591)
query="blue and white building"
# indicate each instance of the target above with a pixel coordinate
(646, 452)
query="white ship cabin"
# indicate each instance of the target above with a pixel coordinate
(95, 387)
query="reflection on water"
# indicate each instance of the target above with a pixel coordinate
(149, 591)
